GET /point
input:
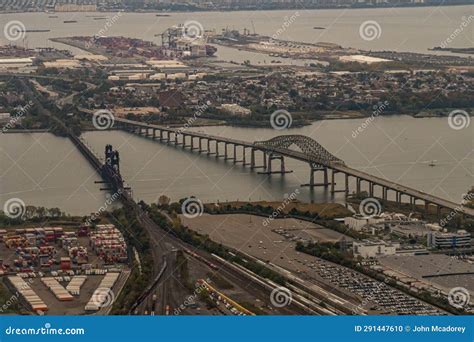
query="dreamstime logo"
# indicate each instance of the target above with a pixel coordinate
(192, 299)
(371, 295)
(281, 119)
(277, 212)
(458, 119)
(109, 201)
(47, 330)
(280, 297)
(378, 109)
(19, 114)
(103, 119)
(370, 207)
(15, 298)
(200, 110)
(286, 24)
(193, 30)
(14, 208)
(192, 208)
(370, 30)
(108, 24)
(466, 21)
(14, 30)
(466, 198)
(459, 297)
(103, 297)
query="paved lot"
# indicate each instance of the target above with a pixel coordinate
(423, 265)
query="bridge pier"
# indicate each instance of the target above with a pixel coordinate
(200, 146)
(209, 147)
(333, 182)
(253, 165)
(192, 144)
(150, 135)
(346, 190)
(398, 197)
(314, 168)
(217, 149)
(268, 168)
(252, 159)
(226, 154)
(243, 160)
(176, 139)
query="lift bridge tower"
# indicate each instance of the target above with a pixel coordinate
(111, 172)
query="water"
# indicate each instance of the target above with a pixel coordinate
(402, 29)
(399, 148)
(44, 170)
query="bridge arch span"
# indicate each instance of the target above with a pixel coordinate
(307, 145)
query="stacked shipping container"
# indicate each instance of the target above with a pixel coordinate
(28, 294)
(57, 289)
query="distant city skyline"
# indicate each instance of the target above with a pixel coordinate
(199, 5)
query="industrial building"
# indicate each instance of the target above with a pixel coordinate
(18, 65)
(373, 249)
(357, 221)
(459, 239)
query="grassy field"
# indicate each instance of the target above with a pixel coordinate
(325, 210)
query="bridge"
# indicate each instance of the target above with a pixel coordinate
(308, 151)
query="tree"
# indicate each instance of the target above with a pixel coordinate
(164, 200)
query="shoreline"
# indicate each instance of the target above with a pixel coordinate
(259, 9)
(338, 117)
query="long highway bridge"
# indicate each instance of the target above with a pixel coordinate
(278, 148)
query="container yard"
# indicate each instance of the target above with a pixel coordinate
(63, 271)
